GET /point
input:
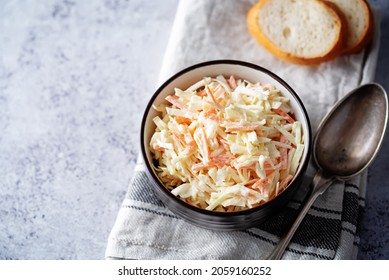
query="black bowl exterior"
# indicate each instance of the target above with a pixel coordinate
(225, 221)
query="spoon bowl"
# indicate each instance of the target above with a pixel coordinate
(350, 136)
(346, 143)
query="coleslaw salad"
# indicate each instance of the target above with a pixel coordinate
(226, 144)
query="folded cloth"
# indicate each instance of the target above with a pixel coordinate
(207, 30)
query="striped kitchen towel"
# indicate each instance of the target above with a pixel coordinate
(145, 229)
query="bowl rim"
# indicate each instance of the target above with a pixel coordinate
(216, 213)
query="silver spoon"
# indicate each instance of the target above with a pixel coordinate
(346, 143)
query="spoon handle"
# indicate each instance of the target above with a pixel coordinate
(319, 186)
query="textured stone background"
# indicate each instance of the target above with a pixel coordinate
(75, 77)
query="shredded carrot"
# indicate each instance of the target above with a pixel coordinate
(285, 181)
(282, 113)
(258, 184)
(183, 120)
(201, 165)
(173, 99)
(221, 160)
(211, 113)
(220, 94)
(232, 83)
(246, 127)
(284, 152)
(158, 148)
(211, 95)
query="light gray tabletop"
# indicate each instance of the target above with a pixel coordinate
(75, 77)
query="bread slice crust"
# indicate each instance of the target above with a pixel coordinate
(365, 35)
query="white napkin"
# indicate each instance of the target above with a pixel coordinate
(208, 30)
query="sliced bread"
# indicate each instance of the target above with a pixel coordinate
(359, 21)
(299, 31)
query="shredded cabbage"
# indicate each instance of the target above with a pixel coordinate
(226, 145)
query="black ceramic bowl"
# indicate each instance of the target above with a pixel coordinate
(223, 221)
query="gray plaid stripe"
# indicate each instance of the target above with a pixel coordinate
(141, 190)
